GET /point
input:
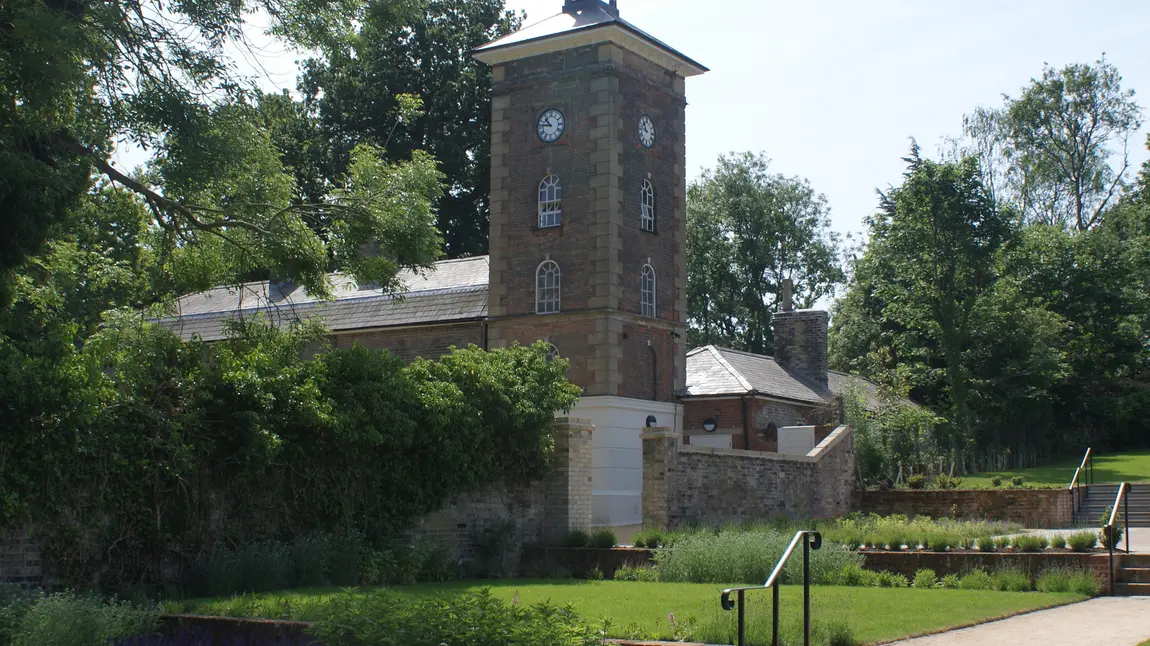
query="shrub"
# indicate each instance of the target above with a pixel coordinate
(1002, 543)
(639, 540)
(1103, 536)
(1030, 542)
(853, 574)
(996, 481)
(1011, 580)
(630, 573)
(604, 539)
(916, 481)
(69, 619)
(648, 539)
(1082, 541)
(1069, 580)
(924, 578)
(745, 557)
(944, 481)
(1057, 542)
(949, 582)
(884, 579)
(577, 538)
(985, 544)
(1017, 481)
(976, 580)
(384, 617)
(941, 541)
(839, 633)
(595, 574)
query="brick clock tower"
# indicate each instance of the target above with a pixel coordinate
(588, 209)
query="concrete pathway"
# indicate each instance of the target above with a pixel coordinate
(1106, 621)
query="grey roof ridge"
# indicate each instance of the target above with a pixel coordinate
(718, 354)
(809, 383)
(313, 304)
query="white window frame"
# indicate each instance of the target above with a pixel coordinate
(548, 282)
(550, 202)
(647, 207)
(647, 291)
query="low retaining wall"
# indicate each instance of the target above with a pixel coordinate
(1033, 508)
(19, 558)
(229, 630)
(943, 563)
(581, 560)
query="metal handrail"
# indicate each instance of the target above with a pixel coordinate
(1086, 470)
(1120, 499)
(811, 541)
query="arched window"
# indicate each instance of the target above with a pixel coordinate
(647, 291)
(547, 288)
(550, 202)
(647, 199)
(552, 352)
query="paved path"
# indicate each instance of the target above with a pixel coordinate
(1106, 621)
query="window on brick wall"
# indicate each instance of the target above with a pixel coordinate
(647, 199)
(547, 288)
(647, 291)
(550, 202)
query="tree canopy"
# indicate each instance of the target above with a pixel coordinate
(748, 230)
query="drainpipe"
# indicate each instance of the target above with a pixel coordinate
(746, 426)
(485, 335)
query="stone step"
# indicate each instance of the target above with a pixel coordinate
(1133, 574)
(1134, 561)
(1132, 589)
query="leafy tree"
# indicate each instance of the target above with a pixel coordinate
(1049, 150)
(352, 93)
(930, 257)
(747, 231)
(74, 78)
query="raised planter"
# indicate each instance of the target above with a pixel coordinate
(1034, 508)
(208, 630)
(581, 560)
(908, 562)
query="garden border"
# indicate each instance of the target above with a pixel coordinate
(1033, 508)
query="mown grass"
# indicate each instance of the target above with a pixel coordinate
(1120, 467)
(645, 610)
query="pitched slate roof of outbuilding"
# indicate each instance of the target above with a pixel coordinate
(718, 372)
(456, 290)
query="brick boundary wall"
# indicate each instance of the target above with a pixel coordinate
(1033, 508)
(960, 563)
(20, 557)
(687, 485)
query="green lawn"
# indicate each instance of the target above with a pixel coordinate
(642, 610)
(1122, 467)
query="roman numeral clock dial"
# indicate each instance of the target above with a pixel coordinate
(551, 125)
(646, 131)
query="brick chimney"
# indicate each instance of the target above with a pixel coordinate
(801, 338)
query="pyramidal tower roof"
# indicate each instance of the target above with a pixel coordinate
(585, 22)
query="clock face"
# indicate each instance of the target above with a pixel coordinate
(646, 131)
(551, 125)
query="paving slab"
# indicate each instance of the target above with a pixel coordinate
(1106, 621)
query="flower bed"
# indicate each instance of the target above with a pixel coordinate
(907, 563)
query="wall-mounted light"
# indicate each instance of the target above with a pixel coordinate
(709, 425)
(651, 421)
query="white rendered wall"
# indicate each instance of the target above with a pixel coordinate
(617, 454)
(796, 440)
(713, 440)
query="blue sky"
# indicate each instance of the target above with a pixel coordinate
(832, 90)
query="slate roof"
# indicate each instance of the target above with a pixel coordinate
(717, 372)
(456, 290)
(593, 16)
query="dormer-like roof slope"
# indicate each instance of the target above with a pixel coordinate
(596, 22)
(722, 372)
(455, 290)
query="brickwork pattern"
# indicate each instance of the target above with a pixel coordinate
(19, 558)
(602, 91)
(801, 343)
(429, 342)
(1038, 508)
(684, 485)
(537, 513)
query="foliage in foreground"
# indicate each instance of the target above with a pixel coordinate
(177, 447)
(68, 619)
(384, 618)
